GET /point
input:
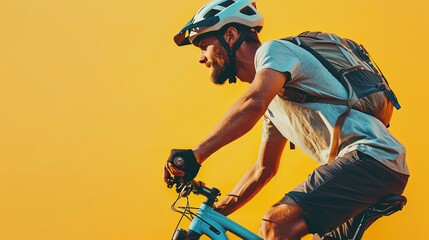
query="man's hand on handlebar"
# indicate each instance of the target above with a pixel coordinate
(181, 164)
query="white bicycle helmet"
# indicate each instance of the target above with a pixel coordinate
(218, 13)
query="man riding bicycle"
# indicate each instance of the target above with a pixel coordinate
(369, 165)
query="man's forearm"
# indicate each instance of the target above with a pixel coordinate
(240, 119)
(249, 185)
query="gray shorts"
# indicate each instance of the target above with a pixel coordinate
(336, 192)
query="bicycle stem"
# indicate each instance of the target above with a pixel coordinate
(210, 193)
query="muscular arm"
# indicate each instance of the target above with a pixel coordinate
(255, 178)
(244, 114)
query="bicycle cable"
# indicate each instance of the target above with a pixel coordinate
(187, 210)
(183, 214)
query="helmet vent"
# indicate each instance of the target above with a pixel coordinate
(247, 11)
(211, 13)
(226, 3)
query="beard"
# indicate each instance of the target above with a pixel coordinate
(221, 68)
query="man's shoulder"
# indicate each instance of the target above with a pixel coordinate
(280, 43)
(278, 46)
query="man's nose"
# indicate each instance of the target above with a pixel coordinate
(202, 59)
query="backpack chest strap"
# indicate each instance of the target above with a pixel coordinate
(299, 96)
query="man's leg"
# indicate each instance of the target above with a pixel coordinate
(333, 194)
(284, 220)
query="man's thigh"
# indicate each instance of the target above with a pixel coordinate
(338, 191)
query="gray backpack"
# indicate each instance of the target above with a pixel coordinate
(351, 65)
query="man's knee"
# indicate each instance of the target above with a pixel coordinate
(284, 220)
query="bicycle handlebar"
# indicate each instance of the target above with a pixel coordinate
(195, 187)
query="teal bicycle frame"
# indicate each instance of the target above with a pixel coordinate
(207, 221)
(215, 225)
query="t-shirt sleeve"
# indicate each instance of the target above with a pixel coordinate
(278, 56)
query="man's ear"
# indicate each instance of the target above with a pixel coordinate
(231, 36)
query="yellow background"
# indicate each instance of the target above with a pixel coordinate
(94, 94)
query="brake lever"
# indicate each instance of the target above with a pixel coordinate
(182, 188)
(174, 181)
(186, 189)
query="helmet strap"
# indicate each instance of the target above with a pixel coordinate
(231, 54)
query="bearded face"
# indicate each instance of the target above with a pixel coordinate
(220, 69)
(215, 57)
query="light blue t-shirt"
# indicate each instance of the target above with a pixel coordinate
(310, 125)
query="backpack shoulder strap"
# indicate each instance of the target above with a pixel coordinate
(319, 57)
(335, 140)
